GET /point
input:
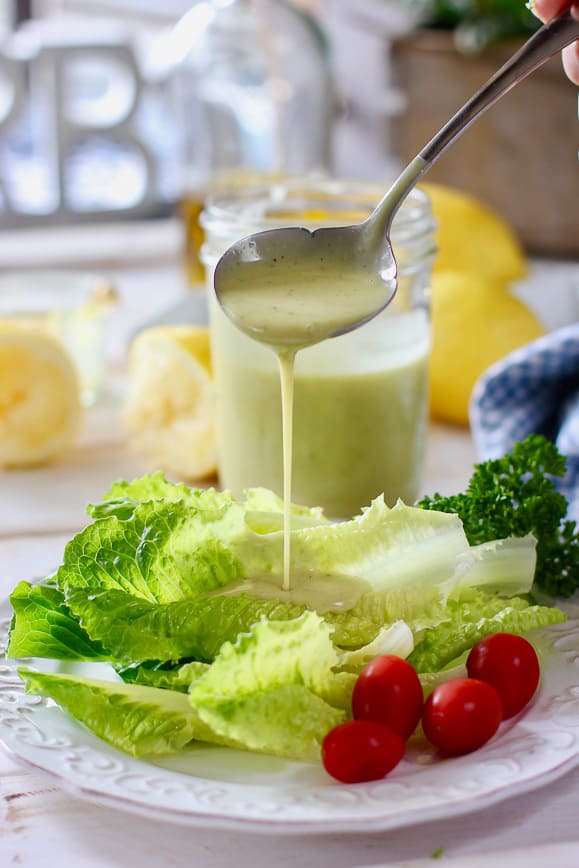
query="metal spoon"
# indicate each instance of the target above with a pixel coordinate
(291, 273)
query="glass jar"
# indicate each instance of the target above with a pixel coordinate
(361, 399)
(253, 95)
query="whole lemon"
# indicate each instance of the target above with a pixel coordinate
(473, 237)
(475, 322)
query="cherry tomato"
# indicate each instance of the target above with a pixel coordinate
(361, 750)
(461, 715)
(388, 690)
(510, 664)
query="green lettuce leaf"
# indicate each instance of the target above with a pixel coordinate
(138, 720)
(175, 547)
(175, 550)
(43, 626)
(135, 629)
(271, 690)
(467, 623)
(373, 611)
(124, 496)
(168, 551)
(263, 508)
(179, 677)
(397, 548)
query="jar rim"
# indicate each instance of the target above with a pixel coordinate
(249, 204)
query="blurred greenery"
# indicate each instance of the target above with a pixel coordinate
(476, 24)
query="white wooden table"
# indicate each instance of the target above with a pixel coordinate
(41, 825)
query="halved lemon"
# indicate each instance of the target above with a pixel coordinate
(40, 407)
(170, 404)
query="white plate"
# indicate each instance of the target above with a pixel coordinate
(221, 788)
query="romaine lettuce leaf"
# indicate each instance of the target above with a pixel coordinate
(168, 551)
(124, 496)
(467, 623)
(396, 548)
(271, 690)
(263, 508)
(136, 630)
(165, 541)
(355, 627)
(273, 652)
(138, 720)
(43, 626)
(173, 550)
(179, 677)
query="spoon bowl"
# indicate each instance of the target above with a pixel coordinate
(291, 287)
(265, 277)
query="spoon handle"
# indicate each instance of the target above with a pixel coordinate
(546, 42)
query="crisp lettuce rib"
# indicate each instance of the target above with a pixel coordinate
(504, 566)
(142, 721)
(396, 638)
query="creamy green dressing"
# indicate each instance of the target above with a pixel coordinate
(286, 361)
(294, 305)
(320, 592)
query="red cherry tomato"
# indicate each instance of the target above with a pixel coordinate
(461, 715)
(361, 750)
(510, 664)
(388, 690)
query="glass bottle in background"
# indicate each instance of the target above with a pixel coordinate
(253, 90)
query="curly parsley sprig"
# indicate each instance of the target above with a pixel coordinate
(515, 495)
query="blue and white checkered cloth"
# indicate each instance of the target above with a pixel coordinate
(533, 390)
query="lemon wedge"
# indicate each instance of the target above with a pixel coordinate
(40, 408)
(475, 322)
(473, 237)
(169, 409)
